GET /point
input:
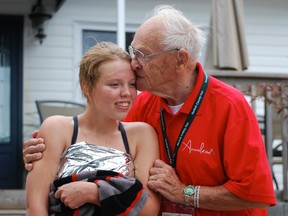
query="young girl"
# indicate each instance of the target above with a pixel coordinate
(94, 141)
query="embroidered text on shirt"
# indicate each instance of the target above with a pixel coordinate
(201, 149)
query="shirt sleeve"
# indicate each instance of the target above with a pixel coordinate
(245, 159)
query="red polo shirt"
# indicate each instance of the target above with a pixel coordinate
(223, 146)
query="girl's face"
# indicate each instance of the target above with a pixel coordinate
(115, 91)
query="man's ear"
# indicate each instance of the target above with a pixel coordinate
(182, 56)
(180, 61)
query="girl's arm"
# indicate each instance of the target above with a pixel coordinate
(147, 151)
(39, 179)
(76, 194)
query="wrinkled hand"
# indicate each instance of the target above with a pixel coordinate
(32, 150)
(164, 180)
(76, 194)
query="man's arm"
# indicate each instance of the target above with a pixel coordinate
(32, 150)
(221, 199)
(165, 181)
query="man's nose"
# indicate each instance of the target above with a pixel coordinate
(135, 64)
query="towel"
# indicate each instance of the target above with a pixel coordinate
(119, 195)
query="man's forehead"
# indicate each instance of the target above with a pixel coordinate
(145, 40)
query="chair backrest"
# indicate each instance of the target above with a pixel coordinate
(48, 108)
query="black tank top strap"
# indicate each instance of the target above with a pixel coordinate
(75, 130)
(124, 137)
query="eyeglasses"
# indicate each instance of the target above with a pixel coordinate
(141, 58)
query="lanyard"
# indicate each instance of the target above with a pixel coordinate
(186, 125)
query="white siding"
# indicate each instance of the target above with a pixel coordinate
(50, 69)
(267, 35)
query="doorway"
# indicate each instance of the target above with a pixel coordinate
(11, 100)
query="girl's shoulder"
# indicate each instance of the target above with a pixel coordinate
(137, 127)
(57, 125)
(57, 121)
(57, 130)
(139, 132)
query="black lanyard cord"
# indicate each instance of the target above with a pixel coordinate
(186, 125)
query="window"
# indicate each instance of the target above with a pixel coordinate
(91, 37)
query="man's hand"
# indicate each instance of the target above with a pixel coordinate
(32, 150)
(164, 180)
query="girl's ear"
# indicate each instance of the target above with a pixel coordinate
(84, 90)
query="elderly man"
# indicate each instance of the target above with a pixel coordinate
(213, 160)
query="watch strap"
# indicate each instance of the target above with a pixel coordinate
(188, 194)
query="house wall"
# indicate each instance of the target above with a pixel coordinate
(266, 25)
(50, 69)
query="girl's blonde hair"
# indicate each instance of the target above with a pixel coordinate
(89, 66)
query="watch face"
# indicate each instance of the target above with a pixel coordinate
(189, 190)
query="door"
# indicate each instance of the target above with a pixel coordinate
(11, 79)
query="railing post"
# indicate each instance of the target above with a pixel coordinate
(284, 134)
(253, 91)
(269, 127)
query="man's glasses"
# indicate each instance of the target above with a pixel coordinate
(141, 58)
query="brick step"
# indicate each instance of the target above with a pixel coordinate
(12, 202)
(13, 212)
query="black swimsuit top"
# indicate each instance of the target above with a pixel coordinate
(121, 128)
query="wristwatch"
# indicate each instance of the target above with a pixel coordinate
(188, 192)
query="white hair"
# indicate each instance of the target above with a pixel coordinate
(179, 31)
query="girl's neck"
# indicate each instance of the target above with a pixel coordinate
(97, 124)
